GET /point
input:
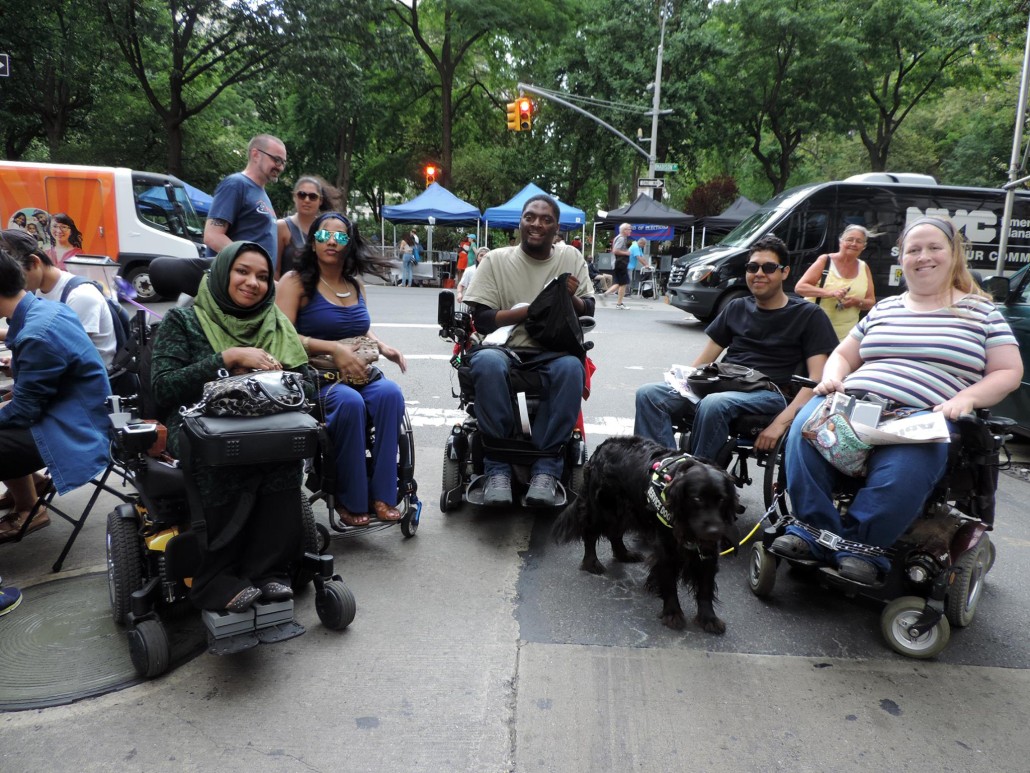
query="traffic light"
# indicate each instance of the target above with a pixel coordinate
(513, 116)
(525, 115)
(430, 174)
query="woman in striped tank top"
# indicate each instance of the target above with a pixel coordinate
(939, 346)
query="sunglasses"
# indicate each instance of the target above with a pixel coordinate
(765, 268)
(341, 237)
(277, 160)
(307, 196)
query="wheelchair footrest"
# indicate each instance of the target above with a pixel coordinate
(222, 624)
(279, 632)
(230, 645)
(271, 613)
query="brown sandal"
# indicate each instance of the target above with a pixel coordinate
(10, 525)
(351, 519)
(385, 512)
(43, 484)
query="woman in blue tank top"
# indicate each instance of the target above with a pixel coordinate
(325, 300)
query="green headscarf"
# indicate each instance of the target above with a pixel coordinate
(227, 324)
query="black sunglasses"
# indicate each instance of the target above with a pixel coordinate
(306, 195)
(765, 268)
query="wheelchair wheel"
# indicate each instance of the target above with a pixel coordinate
(124, 562)
(450, 495)
(301, 576)
(409, 523)
(335, 605)
(761, 571)
(894, 624)
(964, 594)
(149, 649)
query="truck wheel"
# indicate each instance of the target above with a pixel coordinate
(139, 278)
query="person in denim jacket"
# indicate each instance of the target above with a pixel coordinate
(56, 417)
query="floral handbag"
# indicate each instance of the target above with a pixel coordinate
(832, 435)
(366, 349)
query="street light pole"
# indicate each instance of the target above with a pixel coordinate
(663, 11)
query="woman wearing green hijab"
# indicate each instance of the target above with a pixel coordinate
(234, 325)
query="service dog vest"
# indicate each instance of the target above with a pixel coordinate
(661, 476)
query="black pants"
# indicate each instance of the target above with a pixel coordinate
(267, 544)
(18, 453)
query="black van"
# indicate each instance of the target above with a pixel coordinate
(809, 219)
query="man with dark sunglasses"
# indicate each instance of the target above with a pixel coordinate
(241, 210)
(770, 331)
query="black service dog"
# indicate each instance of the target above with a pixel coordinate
(698, 514)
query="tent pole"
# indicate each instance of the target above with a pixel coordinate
(1017, 141)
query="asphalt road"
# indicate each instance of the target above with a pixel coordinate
(479, 645)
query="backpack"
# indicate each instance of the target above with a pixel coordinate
(122, 382)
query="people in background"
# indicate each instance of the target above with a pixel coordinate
(466, 278)
(311, 195)
(840, 282)
(620, 274)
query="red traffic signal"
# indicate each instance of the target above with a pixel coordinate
(431, 172)
(525, 115)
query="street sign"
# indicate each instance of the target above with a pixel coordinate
(666, 167)
(5, 65)
(650, 182)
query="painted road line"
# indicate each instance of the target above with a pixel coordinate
(604, 426)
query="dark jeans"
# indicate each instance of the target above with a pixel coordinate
(562, 390)
(18, 453)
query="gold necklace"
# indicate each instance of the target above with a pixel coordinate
(338, 295)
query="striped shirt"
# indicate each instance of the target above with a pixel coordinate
(922, 358)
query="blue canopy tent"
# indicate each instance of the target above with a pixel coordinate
(434, 206)
(201, 201)
(434, 202)
(509, 214)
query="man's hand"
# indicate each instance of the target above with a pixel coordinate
(572, 284)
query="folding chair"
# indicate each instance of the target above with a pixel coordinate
(47, 501)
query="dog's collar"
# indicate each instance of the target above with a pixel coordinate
(661, 476)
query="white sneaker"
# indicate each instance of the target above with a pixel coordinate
(620, 306)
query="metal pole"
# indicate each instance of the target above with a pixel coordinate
(656, 102)
(1017, 141)
(581, 111)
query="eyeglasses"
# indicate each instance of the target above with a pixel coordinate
(307, 196)
(765, 268)
(277, 160)
(341, 237)
(56, 227)
(853, 241)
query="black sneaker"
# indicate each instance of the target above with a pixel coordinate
(857, 570)
(542, 488)
(791, 546)
(497, 490)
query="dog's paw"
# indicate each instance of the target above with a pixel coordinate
(592, 565)
(674, 620)
(711, 624)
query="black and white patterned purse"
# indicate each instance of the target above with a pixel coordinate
(259, 393)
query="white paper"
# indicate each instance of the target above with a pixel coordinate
(676, 377)
(921, 428)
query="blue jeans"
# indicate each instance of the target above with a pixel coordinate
(407, 273)
(898, 481)
(658, 404)
(562, 389)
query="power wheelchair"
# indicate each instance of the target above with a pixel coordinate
(937, 568)
(153, 548)
(465, 446)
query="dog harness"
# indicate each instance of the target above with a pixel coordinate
(661, 476)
